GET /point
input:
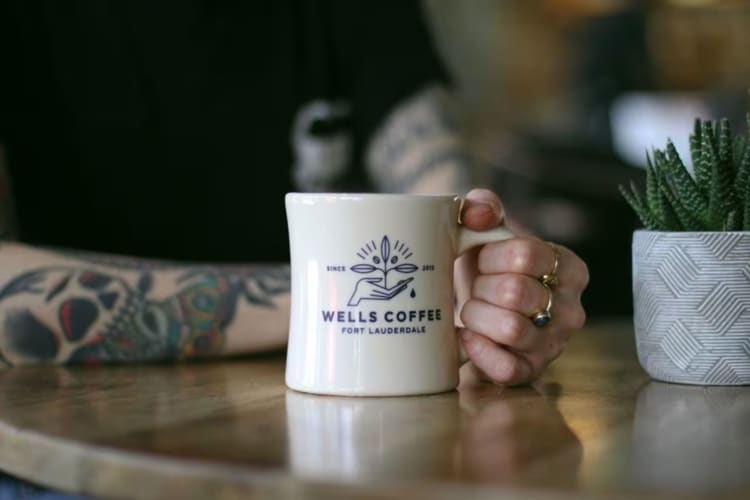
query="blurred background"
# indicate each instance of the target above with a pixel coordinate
(561, 99)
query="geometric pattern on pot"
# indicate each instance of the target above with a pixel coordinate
(691, 299)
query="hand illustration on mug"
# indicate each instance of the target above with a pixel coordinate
(371, 289)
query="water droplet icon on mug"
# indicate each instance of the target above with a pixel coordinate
(413, 293)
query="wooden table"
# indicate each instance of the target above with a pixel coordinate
(594, 426)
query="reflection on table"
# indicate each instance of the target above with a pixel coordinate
(692, 439)
(477, 434)
(593, 425)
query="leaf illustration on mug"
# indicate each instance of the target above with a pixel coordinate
(406, 268)
(386, 262)
(385, 249)
(385, 259)
(363, 268)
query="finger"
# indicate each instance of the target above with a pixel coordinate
(568, 315)
(470, 380)
(481, 210)
(534, 258)
(516, 292)
(502, 326)
(499, 365)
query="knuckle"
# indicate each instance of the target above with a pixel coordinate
(537, 361)
(505, 369)
(489, 256)
(483, 287)
(578, 270)
(522, 255)
(579, 318)
(468, 311)
(513, 292)
(513, 330)
(478, 350)
(556, 349)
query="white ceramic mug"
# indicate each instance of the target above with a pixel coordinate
(372, 292)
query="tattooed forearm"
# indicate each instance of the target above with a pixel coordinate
(123, 262)
(80, 314)
(129, 263)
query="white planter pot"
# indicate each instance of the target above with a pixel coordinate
(691, 294)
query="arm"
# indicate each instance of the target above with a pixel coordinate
(70, 307)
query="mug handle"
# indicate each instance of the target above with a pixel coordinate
(468, 238)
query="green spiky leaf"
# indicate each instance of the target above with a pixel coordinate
(742, 183)
(632, 196)
(715, 198)
(652, 186)
(695, 142)
(681, 182)
(701, 167)
(688, 221)
(717, 207)
(658, 181)
(726, 146)
(732, 222)
(739, 149)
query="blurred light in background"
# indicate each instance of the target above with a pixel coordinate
(642, 121)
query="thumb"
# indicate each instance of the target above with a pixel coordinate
(482, 210)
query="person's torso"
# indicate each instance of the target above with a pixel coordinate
(160, 129)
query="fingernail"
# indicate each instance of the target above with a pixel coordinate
(466, 335)
(493, 208)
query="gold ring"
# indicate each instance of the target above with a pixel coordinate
(551, 280)
(542, 318)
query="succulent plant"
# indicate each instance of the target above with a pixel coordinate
(716, 197)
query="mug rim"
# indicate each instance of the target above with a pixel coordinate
(353, 196)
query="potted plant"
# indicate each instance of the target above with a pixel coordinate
(691, 265)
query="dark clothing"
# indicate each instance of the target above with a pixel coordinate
(162, 129)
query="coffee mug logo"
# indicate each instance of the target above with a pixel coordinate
(384, 275)
(377, 267)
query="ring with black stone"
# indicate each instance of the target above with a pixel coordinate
(542, 318)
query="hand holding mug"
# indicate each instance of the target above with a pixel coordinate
(506, 287)
(373, 294)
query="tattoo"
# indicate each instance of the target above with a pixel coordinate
(29, 336)
(76, 314)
